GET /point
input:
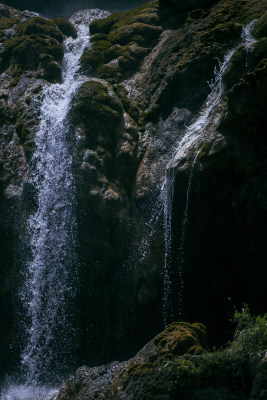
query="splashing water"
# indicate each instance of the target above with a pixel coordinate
(52, 270)
(195, 135)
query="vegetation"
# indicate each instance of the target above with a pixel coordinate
(226, 368)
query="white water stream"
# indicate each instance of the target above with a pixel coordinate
(51, 272)
(195, 136)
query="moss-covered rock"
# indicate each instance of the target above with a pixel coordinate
(28, 51)
(137, 32)
(260, 28)
(259, 50)
(98, 110)
(125, 37)
(93, 58)
(65, 26)
(146, 14)
(5, 24)
(38, 25)
(236, 68)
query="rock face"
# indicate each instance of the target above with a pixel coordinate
(144, 374)
(176, 365)
(147, 77)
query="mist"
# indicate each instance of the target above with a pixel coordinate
(65, 8)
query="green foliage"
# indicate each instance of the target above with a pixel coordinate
(250, 334)
(185, 369)
(226, 367)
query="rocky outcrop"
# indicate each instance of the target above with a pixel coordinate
(177, 365)
(144, 374)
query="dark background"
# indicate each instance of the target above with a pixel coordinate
(65, 8)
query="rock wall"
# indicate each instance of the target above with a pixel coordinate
(147, 71)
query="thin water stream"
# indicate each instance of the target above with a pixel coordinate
(195, 136)
(51, 273)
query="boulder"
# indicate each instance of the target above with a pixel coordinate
(142, 377)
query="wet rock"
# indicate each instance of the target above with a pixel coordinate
(89, 383)
(142, 375)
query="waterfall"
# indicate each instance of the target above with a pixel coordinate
(195, 136)
(51, 273)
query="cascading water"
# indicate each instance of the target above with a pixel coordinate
(195, 136)
(52, 270)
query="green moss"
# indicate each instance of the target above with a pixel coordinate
(98, 36)
(38, 25)
(137, 32)
(128, 104)
(147, 14)
(53, 72)
(99, 113)
(140, 369)
(262, 66)
(260, 28)
(6, 23)
(259, 50)
(225, 31)
(65, 26)
(92, 58)
(110, 73)
(93, 99)
(225, 367)
(137, 26)
(236, 68)
(126, 62)
(28, 51)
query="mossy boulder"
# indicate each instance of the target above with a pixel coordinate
(146, 14)
(236, 68)
(177, 339)
(137, 32)
(123, 39)
(92, 58)
(260, 28)
(99, 111)
(227, 31)
(259, 50)
(65, 26)
(28, 52)
(38, 25)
